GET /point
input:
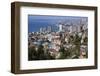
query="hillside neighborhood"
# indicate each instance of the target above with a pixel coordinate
(64, 41)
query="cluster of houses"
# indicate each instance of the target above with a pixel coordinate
(68, 41)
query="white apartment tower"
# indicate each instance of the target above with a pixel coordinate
(60, 27)
(41, 30)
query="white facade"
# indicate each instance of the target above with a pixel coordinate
(60, 27)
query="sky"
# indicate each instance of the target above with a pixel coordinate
(35, 22)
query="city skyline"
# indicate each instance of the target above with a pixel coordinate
(35, 22)
(57, 37)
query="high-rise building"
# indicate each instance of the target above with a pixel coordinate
(60, 27)
(41, 30)
(49, 29)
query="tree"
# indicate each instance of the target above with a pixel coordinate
(32, 54)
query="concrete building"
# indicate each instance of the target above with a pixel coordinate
(60, 27)
(41, 30)
(49, 29)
